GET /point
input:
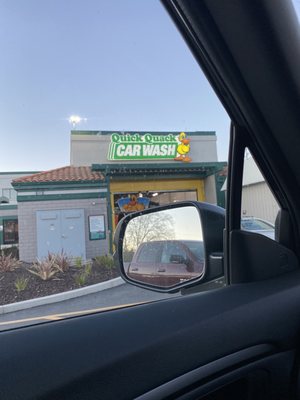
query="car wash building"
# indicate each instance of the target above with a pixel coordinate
(148, 169)
(75, 209)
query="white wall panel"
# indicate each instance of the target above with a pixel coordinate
(258, 201)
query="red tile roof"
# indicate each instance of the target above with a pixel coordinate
(64, 174)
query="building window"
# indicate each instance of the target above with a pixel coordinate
(11, 194)
(10, 231)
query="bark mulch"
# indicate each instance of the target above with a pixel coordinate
(61, 282)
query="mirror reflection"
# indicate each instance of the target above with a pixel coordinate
(164, 248)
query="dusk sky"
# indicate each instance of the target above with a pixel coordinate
(121, 64)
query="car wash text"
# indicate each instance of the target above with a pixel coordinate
(142, 147)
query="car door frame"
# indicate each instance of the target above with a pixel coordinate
(179, 348)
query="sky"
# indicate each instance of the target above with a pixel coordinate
(120, 64)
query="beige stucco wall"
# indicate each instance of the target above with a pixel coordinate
(258, 201)
(28, 229)
(210, 189)
(8, 213)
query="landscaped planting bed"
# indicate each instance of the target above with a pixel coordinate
(55, 274)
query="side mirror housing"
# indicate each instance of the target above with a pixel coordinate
(152, 246)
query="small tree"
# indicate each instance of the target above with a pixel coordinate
(147, 228)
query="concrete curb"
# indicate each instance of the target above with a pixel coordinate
(55, 298)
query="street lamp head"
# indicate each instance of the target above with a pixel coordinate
(75, 120)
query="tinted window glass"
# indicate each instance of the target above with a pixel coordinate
(196, 248)
(259, 205)
(255, 224)
(10, 232)
(104, 111)
(170, 250)
(149, 252)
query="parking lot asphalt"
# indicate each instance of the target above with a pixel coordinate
(121, 295)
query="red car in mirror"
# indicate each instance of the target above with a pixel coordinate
(167, 263)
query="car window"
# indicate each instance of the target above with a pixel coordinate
(173, 253)
(196, 249)
(104, 112)
(259, 205)
(149, 253)
(255, 224)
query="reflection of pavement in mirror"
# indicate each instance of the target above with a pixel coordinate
(124, 294)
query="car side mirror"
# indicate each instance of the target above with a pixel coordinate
(150, 243)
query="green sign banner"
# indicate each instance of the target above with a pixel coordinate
(142, 147)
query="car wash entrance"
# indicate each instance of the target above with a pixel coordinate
(134, 187)
(136, 195)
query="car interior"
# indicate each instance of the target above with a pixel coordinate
(240, 341)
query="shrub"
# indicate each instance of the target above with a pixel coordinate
(78, 262)
(8, 263)
(88, 268)
(62, 262)
(106, 261)
(81, 279)
(51, 256)
(45, 269)
(21, 284)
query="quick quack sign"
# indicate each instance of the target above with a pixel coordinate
(142, 147)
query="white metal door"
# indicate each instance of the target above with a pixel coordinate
(48, 232)
(72, 233)
(61, 230)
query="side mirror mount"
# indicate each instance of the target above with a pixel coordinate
(152, 246)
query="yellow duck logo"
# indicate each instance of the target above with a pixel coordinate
(133, 205)
(183, 148)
